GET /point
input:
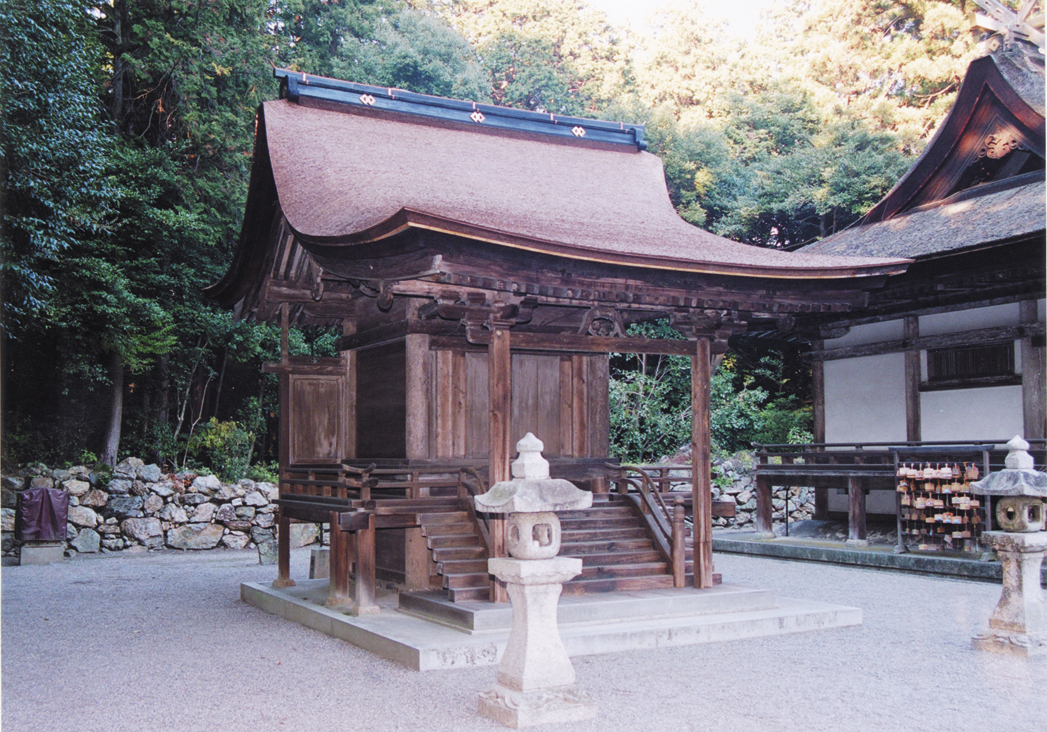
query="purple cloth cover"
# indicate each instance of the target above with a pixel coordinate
(41, 515)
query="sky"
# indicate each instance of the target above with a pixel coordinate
(741, 15)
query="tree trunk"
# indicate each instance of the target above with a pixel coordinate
(116, 411)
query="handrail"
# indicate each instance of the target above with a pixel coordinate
(659, 514)
(468, 496)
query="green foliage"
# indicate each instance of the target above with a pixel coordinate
(650, 400)
(225, 447)
(54, 150)
(264, 473)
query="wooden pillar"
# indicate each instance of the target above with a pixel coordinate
(416, 569)
(764, 508)
(1034, 373)
(913, 420)
(417, 396)
(678, 548)
(364, 591)
(338, 585)
(500, 388)
(701, 456)
(283, 552)
(821, 495)
(855, 512)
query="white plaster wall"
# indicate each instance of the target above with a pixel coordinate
(859, 335)
(875, 502)
(972, 319)
(865, 399)
(990, 413)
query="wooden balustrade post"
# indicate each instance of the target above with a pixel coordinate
(283, 552)
(701, 458)
(679, 544)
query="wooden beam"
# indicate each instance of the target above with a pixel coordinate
(1034, 376)
(913, 422)
(701, 457)
(571, 343)
(945, 340)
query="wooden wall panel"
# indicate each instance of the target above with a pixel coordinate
(599, 406)
(477, 416)
(381, 401)
(536, 400)
(317, 430)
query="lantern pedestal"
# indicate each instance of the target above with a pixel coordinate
(1018, 625)
(535, 678)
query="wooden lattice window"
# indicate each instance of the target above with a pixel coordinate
(970, 362)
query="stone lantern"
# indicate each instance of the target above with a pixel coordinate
(1018, 625)
(535, 678)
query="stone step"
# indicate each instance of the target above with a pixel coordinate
(618, 584)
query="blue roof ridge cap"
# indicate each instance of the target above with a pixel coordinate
(295, 84)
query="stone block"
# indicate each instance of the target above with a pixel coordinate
(235, 540)
(320, 564)
(47, 553)
(254, 498)
(94, 498)
(195, 536)
(76, 487)
(83, 516)
(87, 541)
(206, 484)
(204, 513)
(141, 529)
(304, 535)
(267, 552)
(150, 473)
(123, 506)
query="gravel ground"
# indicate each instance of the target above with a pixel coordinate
(162, 642)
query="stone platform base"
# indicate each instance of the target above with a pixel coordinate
(1024, 645)
(441, 635)
(518, 709)
(41, 554)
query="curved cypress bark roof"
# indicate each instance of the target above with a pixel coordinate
(980, 179)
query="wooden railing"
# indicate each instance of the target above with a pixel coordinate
(663, 511)
(471, 483)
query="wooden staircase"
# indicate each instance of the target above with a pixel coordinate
(616, 551)
(610, 539)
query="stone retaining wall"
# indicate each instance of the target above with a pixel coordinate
(141, 506)
(735, 480)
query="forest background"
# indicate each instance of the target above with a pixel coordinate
(127, 130)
